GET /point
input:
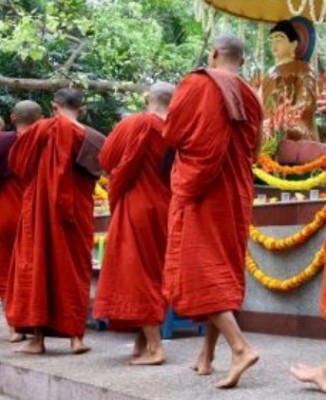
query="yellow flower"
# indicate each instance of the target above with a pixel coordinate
(286, 243)
(287, 284)
(284, 184)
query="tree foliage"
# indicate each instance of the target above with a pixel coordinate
(137, 41)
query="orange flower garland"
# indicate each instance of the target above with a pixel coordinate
(269, 165)
(277, 244)
(287, 284)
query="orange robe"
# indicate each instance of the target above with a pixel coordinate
(130, 284)
(212, 193)
(51, 270)
(11, 193)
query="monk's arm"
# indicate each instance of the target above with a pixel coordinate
(131, 147)
(123, 154)
(118, 142)
(112, 150)
(198, 127)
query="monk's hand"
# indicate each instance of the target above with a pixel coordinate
(321, 103)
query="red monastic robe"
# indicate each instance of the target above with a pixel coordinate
(11, 193)
(323, 294)
(216, 135)
(130, 284)
(51, 270)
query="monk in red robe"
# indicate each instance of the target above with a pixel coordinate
(51, 270)
(24, 114)
(214, 124)
(305, 373)
(130, 284)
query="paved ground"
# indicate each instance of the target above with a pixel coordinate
(105, 368)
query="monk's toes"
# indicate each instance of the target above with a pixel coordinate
(17, 338)
(226, 384)
(81, 350)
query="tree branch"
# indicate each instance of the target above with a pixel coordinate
(13, 8)
(75, 54)
(206, 37)
(51, 85)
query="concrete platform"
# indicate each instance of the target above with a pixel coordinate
(103, 374)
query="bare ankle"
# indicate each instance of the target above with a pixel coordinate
(155, 347)
(239, 349)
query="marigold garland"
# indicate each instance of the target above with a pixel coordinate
(287, 284)
(284, 184)
(103, 181)
(286, 243)
(269, 165)
(98, 238)
(100, 193)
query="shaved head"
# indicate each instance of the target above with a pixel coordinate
(26, 112)
(228, 48)
(161, 93)
(69, 98)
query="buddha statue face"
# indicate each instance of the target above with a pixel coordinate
(282, 48)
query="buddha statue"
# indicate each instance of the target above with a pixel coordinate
(291, 79)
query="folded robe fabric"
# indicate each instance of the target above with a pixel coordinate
(11, 193)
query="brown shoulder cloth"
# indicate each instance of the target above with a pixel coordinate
(229, 85)
(88, 155)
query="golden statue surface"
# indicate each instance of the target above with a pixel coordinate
(293, 81)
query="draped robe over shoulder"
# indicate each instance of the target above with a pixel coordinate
(215, 132)
(11, 193)
(51, 270)
(130, 285)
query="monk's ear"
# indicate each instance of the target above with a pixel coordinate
(242, 62)
(82, 111)
(13, 119)
(146, 99)
(296, 45)
(54, 107)
(215, 54)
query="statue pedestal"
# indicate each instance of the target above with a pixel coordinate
(290, 314)
(293, 313)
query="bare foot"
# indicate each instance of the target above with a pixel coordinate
(316, 375)
(34, 346)
(16, 337)
(204, 365)
(149, 358)
(78, 346)
(140, 345)
(240, 363)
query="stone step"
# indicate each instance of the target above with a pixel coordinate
(28, 384)
(104, 374)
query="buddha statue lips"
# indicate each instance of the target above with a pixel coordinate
(291, 77)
